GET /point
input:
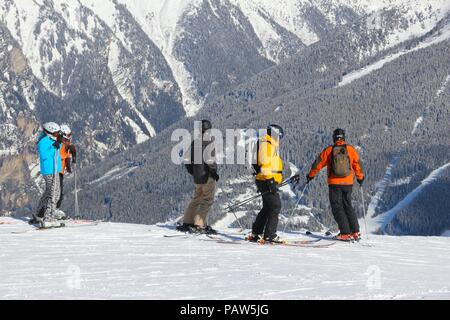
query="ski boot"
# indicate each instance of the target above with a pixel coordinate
(60, 215)
(51, 223)
(209, 230)
(34, 220)
(185, 227)
(356, 236)
(275, 239)
(343, 237)
(253, 237)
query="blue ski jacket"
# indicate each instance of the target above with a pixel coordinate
(47, 152)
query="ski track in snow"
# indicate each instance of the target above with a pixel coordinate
(113, 174)
(124, 261)
(384, 219)
(357, 74)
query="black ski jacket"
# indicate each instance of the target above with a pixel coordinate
(201, 165)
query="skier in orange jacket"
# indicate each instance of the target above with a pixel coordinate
(343, 164)
(68, 156)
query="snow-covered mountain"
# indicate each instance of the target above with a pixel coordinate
(390, 95)
(124, 261)
(122, 71)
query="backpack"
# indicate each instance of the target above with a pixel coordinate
(340, 161)
(255, 165)
(251, 156)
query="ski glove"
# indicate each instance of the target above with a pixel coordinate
(361, 181)
(308, 178)
(73, 152)
(215, 176)
(57, 144)
(296, 178)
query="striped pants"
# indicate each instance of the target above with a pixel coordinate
(47, 204)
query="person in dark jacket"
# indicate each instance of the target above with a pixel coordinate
(203, 168)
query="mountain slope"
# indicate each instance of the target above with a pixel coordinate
(122, 261)
(118, 72)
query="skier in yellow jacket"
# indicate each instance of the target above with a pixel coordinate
(269, 174)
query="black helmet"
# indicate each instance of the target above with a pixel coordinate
(338, 134)
(206, 125)
(276, 130)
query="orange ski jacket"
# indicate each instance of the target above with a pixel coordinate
(65, 157)
(324, 160)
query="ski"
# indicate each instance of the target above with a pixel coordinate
(192, 236)
(329, 237)
(65, 224)
(7, 223)
(184, 235)
(287, 244)
(232, 236)
(38, 229)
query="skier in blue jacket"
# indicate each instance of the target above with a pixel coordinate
(49, 144)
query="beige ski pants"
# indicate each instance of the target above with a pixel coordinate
(197, 211)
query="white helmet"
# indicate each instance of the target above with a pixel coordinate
(51, 127)
(65, 129)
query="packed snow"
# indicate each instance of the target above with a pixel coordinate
(125, 261)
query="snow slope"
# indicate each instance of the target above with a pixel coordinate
(123, 261)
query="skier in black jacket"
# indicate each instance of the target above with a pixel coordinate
(202, 166)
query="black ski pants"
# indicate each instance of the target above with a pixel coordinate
(341, 206)
(267, 220)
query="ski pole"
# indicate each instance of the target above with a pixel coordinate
(296, 204)
(77, 208)
(239, 204)
(237, 219)
(364, 212)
